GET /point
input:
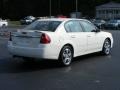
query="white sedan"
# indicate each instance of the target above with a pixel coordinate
(3, 23)
(59, 39)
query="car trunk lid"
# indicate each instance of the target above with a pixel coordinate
(26, 38)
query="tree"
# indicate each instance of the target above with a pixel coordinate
(16, 9)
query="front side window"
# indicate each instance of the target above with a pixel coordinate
(73, 26)
(88, 27)
(44, 25)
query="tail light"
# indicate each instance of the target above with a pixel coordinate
(10, 37)
(45, 39)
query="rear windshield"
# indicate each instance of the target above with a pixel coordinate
(43, 25)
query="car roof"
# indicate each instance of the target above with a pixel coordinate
(60, 19)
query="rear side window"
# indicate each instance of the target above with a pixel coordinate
(44, 25)
(73, 26)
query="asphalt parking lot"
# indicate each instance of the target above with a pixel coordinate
(89, 72)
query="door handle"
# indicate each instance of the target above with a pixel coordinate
(73, 36)
(89, 36)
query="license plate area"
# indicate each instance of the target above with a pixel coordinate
(25, 42)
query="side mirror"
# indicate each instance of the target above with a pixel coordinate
(96, 30)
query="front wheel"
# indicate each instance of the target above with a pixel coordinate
(106, 47)
(66, 56)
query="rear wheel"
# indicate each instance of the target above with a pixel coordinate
(66, 56)
(106, 47)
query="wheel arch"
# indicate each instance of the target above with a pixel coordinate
(68, 44)
(103, 52)
(109, 40)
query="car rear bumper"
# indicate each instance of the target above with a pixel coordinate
(40, 52)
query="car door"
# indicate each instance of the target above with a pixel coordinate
(91, 35)
(76, 35)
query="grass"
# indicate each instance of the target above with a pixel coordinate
(14, 23)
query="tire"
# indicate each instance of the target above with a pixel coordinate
(66, 56)
(106, 47)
